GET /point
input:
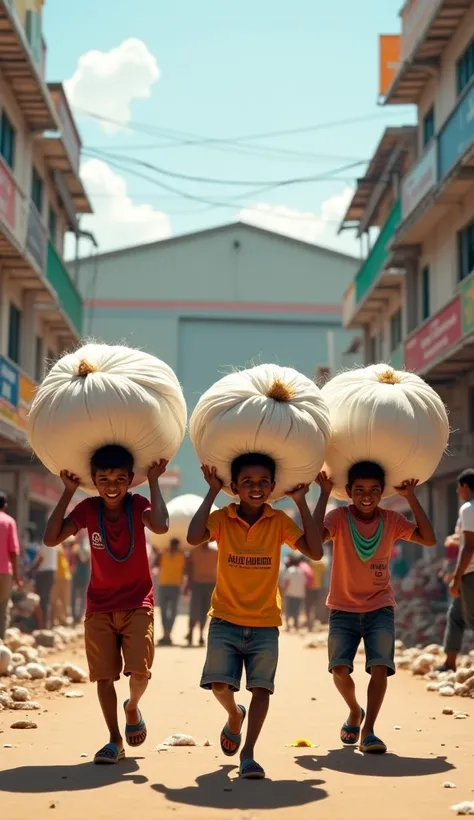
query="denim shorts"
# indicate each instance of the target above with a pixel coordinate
(231, 647)
(376, 629)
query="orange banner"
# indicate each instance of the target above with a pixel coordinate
(389, 60)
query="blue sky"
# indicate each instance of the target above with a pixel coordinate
(226, 70)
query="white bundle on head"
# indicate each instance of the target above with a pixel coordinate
(387, 416)
(181, 510)
(106, 394)
(266, 409)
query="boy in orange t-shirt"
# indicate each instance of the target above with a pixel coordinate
(246, 604)
(361, 599)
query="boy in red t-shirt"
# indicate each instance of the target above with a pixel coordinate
(361, 599)
(119, 616)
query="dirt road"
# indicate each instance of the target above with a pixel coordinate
(47, 774)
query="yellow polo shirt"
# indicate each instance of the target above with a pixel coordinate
(248, 565)
(172, 566)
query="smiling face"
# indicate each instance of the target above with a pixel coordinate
(254, 486)
(366, 494)
(112, 485)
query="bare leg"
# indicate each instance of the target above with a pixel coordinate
(346, 687)
(138, 685)
(108, 703)
(192, 624)
(257, 714)
(375, 697)
(226, 698)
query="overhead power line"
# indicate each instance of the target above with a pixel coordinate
(212, 181)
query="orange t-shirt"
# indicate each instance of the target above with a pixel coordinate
(204, 565)
(356, 585)
(248, 565)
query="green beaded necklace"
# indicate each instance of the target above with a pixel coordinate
(365, 547)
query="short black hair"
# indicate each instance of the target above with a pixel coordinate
(252, 460)
(112, 457)
(466, 478)
(366, 469)
(3, 499)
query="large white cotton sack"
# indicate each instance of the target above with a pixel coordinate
(106, 394)
(388, 416)
(266, 409)
(181, 510)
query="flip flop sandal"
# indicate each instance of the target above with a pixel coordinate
(110, 753)
(226, 734)
(352, 730)
(373, 745)
(251, 770)
(135, 735)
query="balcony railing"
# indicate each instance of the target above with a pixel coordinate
(68, 296)
(378, 256)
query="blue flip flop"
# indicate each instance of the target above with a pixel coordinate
(226, 734)
(251, 770)
(373, 745)
(135, 735)
(352, 730)
(110, 753)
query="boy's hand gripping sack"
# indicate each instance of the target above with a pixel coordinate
(106, 394)
(266, 409)
(388, 416)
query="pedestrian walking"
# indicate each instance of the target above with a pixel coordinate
(9, 561)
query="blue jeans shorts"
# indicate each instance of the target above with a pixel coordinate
(231, 647)
(376, 629)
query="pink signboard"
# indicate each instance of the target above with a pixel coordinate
(7, 197)
(435, 337)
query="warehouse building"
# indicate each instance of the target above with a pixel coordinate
(228, 297)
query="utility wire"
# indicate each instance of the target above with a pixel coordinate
(212, 181)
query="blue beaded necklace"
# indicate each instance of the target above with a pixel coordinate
(103, 535)
(365, 547)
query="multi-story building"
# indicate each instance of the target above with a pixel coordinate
(41, 194)
(426, 244)
(227, 297)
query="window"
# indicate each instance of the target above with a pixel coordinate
(372, 350)
(37, 190)
(428, 126)
(465, 68)
(466, 251)
(425, 293)
(7, 140)
(395, 330)
(53, 225)
(39, 361)
(14, 329)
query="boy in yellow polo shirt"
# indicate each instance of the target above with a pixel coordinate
(246, 605)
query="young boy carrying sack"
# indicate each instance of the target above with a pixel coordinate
(246, 605)
(119, 616)
(361, 599)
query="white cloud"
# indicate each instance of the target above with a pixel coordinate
(106, 82)
(317, 228)
(117, 222)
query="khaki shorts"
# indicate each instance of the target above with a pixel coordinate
(109, 636)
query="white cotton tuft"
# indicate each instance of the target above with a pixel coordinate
(265, 409)
(106, 394)
(181, 510)
(388, 416)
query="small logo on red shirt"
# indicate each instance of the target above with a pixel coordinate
(96, 541)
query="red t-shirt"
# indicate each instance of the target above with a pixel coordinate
(116, 586)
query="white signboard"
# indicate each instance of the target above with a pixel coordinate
(419, 181)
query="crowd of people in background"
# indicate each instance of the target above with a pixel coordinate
(47, 585)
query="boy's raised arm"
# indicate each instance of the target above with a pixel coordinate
(310, 543)
(198, 532)
(325, 486)
(59, 527)
(156, 519)
(424, 533)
